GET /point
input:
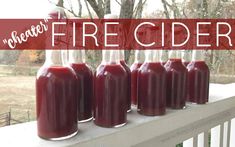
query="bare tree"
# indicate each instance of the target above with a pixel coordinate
(166, 12)
(102, 7)
(175, 9)
(97, 7)
(107, 8)
(79, 8)
(204, 9)
(127, 8)
(139, 9)
(168, 8)
(88, 9)
(217, 11)
(60, 3)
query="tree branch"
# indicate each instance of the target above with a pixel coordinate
(175, 9)
(139, 9)
(166, 12)
(127, 9)
(184, 13)
(118, 2)
(80, 8)
(216, 10)
(107, 8)
(71, 7)
(185, 6)
(204, 9)
(99, 11)
(61, 4)
(88, 9)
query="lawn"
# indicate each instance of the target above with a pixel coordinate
(18, 93)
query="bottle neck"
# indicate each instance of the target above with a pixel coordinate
(77, 56)
(164, 55)
(198, 55)
(186, 55)
(122, 55)
(56, 58)
(152, 56)
(110, 57)
(175, 54)
(139, 56)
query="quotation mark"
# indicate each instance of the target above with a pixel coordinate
(5, 41)
(45, 20)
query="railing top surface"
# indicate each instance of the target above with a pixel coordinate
(139, 129)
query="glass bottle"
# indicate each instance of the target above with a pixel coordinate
(176, 81)
(152, 85)
(186, 57)
(139, 60)
(125, 66)
(85, 80)
(56, 97)
(198, 78)
(110, 91)
(128, 71)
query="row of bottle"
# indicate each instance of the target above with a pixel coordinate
(68, 92)
(168, 83)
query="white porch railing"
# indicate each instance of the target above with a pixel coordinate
(141, 131)
(222, 134)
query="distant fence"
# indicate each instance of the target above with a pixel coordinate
(7, 119)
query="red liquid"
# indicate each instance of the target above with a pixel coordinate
(85, 80)
(110, 95)
(56, 100)
(99, 68)
(134, 73)
(128, 71)
(152, 89)
(176, 84)
(198, 82)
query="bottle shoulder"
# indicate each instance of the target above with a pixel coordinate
(175, 66)
(110, 69)
(198, 65)
(55, 71)
(81, 68)
(135, 66)
(151, 67)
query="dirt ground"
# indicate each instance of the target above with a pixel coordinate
(18, 94)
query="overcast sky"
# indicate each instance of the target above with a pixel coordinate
(39, 8)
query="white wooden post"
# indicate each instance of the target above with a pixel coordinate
(195, 141)
(232, 137)
(215, 137)
(200, 140)
(188, 143)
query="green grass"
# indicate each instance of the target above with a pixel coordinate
(179, 145)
